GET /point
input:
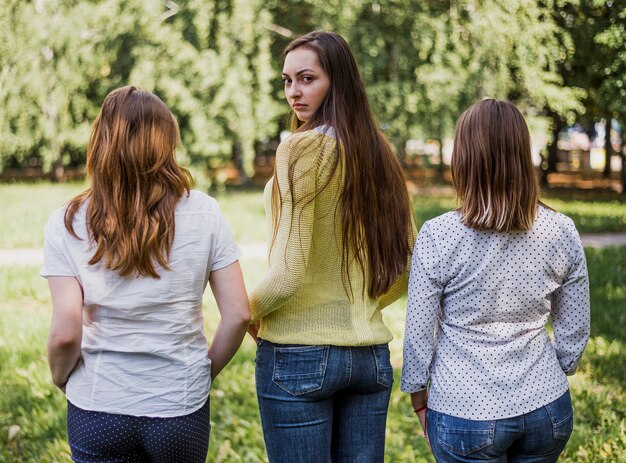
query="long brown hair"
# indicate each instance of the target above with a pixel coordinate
(375, 205)
(135, 183)
(492, 168)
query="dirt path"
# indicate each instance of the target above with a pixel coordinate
(255, 251)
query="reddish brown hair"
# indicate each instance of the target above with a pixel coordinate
(492, 168)
(375, 205)
(135, 183)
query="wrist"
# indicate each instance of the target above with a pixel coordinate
(420, 409)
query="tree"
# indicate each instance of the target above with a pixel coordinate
(210, 63)
(595, 59)
(612, 91)
(42, 92)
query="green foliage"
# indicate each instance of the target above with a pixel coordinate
(209, 62)
(426, 62)
(216, 64)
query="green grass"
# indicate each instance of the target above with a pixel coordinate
(27, 206)
(29, 401)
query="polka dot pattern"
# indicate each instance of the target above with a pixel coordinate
(478, 306)
(97, 437)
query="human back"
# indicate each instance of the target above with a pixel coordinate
(496, 304)
(143, 332)
(341, 232)
(485, 281)
(311, 301)
(338, 152)
(127, 262)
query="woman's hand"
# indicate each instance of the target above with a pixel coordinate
(421, 415)
(419, 401)
(253, 330)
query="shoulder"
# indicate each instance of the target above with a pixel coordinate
(197, 201)
(445, 232)
(445, 224)
(553, 225)
(320, 140)
(555, 221)
(56, 220)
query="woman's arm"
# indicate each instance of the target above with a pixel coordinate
(423, 307)
(419, 401)
(571, 314)
(230, 294)
(66, 328)
(291, 247)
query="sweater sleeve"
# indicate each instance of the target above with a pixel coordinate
(290, 250)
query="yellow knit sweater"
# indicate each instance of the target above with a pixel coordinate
(301, 299)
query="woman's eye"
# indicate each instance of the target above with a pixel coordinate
(307, 78)
(286, 81)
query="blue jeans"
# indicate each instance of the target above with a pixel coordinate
(323, 403)
(535, 437)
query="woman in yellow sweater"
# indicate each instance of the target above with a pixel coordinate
(341, 235)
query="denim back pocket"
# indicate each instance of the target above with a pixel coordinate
(562, 417)
(384, 370)
(300, 370)
(462, 436)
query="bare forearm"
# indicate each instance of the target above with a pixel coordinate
(225, 343)
(62, 359)
(66, 328)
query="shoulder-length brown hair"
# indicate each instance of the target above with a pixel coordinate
(375, 205)
(135, 183)
(492, 168)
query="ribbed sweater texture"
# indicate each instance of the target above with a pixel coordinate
(302, 298)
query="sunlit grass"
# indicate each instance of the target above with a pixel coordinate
(29, 401)
(27, 206)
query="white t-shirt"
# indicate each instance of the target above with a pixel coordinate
(143, 350)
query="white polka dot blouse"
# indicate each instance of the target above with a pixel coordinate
(478, 306)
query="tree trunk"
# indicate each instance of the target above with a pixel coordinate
(608, 149)
(550, 166)
(57, 171)
(439, 139)
(238, 158)
(623, 155)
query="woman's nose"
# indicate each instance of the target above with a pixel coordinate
(293, 91)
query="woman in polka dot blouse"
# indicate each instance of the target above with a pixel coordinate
(487, 381)
(127, 262)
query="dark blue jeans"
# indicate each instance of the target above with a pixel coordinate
(535, 437)
(323, 403)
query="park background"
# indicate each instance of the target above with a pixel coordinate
(216, 64)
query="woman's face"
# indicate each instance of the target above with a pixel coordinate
(306, 83)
